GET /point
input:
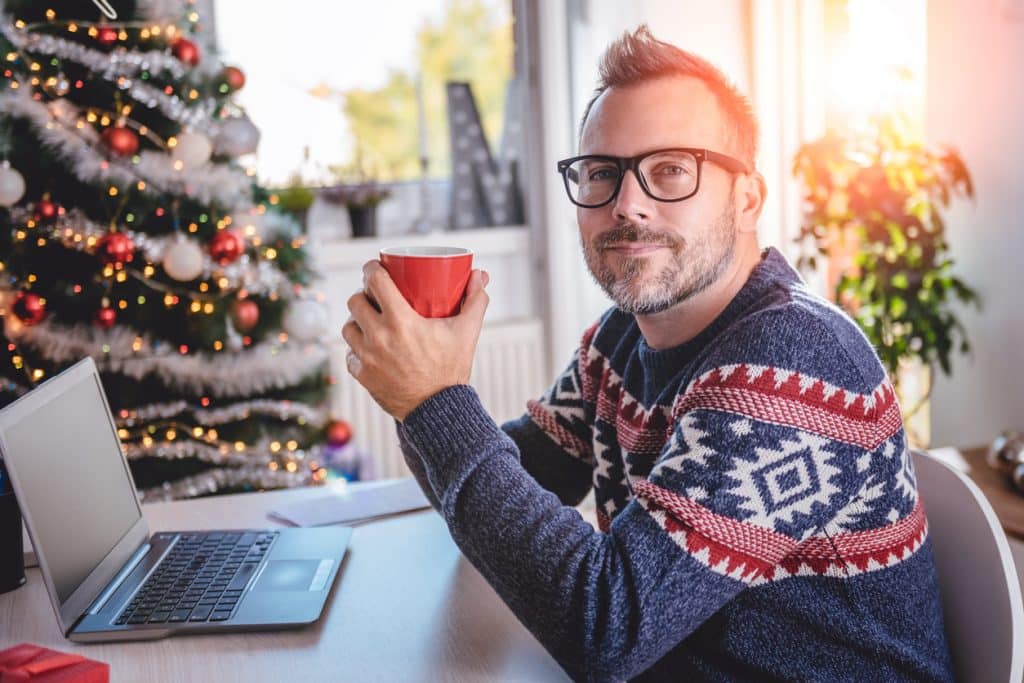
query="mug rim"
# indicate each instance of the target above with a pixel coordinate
(433, 251)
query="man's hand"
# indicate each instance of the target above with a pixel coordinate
(402, 358)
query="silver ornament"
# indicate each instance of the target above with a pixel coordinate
(1006, 452)
(192, 150)
(305, 320)
(183, 260)
(12, 185)
(235, 137)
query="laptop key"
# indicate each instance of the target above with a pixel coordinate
(159, 617)
(179, 615)
(242, 577)
(201, 613)
(220, 615)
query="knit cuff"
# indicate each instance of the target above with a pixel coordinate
(451, 431)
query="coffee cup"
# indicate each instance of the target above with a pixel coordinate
(432, 279)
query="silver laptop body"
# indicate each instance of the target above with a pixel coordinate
(60, 447)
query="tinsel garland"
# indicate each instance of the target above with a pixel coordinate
(119, 67)
(107, 65)
(211, 481)
(254, 454)
(212, 183)
(256, 277)
(207, 417)
(162, 11)
(256, 370)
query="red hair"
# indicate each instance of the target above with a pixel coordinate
(639, 56)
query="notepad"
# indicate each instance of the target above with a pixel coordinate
(355, 504)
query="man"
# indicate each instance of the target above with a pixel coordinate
(757, 509)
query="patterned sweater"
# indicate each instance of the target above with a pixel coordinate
(759, 518)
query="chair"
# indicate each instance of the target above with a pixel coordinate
(981, 595)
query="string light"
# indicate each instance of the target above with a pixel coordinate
(275, 446)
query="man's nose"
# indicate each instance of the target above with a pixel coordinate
(632, 203)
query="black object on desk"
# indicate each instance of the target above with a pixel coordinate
(12, 558)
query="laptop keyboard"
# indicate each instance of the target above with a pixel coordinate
(200, 579)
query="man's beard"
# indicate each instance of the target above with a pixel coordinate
(694, 264)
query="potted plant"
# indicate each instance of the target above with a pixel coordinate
(361, 200)
(872, 201)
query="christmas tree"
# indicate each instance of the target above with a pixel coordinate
(131, 232)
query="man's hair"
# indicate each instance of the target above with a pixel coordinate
(638, 56)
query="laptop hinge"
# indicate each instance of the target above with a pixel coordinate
(115, 583)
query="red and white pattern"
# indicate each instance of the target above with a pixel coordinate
(788, 398)
(757, 556)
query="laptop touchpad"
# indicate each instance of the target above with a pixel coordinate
(287, 575)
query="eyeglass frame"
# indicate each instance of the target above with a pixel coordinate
(726, 162)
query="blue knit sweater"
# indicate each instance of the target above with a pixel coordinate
(759, 518)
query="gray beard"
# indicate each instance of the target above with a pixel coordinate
(694, 265)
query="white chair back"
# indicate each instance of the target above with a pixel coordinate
(981, 596)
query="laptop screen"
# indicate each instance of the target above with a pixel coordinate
(75, 484)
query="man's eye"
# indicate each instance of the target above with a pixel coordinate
(671, 170)
(599, 174)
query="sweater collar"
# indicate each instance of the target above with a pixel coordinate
(772, 271)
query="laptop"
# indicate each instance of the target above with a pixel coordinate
(110, 579)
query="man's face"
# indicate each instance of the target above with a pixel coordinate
(649, 255)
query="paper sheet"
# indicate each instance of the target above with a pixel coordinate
(951, 456)
(354, 504)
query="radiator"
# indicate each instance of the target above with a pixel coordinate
(509, 370)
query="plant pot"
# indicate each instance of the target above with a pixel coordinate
(364, 220)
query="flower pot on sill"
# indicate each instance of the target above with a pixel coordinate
(364, 220)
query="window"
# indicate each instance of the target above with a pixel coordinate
(346, 96)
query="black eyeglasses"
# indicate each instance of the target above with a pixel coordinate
(667, 175)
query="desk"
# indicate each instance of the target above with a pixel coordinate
(1006, 501)
(407, 606)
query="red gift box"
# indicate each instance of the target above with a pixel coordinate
(27, 662)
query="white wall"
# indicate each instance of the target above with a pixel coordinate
(975, 103)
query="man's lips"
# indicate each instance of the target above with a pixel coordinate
(634, 248)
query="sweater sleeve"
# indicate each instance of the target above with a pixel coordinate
(735, 490)
(553, 438)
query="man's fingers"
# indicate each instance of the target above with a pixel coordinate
(383, 290)
(353, 335)
(362, 308)
(475, 304)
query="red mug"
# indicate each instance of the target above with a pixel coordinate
(432, 279)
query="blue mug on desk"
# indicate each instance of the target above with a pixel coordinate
(12, 553)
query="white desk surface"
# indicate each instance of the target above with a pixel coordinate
(407, 606)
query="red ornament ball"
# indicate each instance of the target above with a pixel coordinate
(46, 210)
(234, 77)
(121, 141)
(116, 248)
(185, 50)
(106, 35)
(30, 308)
(339, 433)
(226, 246)
(245, 314)
(105, 317)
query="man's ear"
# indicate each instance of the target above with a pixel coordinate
(751, 192)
